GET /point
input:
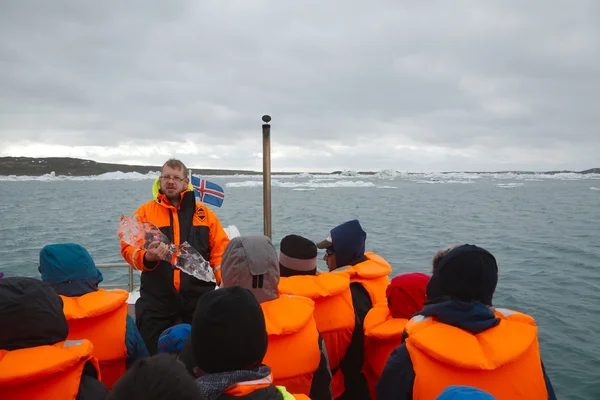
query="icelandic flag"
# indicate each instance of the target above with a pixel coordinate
(207, 191)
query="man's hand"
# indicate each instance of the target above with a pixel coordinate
(156, 251)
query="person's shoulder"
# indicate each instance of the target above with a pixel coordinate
(148, 204)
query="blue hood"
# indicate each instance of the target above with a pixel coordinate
(472, 317)
(348, 241)
(69, 269)
(172, 339)
(464, 393)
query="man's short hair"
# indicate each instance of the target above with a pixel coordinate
(176, 164)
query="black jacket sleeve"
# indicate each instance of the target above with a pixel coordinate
(321, 383)
(361, 301)
(398, 377)
(354, 381)
(549, 388)
(90, 388)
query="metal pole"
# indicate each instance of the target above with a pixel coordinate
(130, 280)
(266, 133)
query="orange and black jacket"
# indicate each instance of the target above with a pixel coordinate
(191, 222)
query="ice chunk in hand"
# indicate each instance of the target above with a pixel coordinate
(183, 257)
(191, 262)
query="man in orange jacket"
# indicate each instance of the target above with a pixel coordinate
(168, 296)
(458, 338)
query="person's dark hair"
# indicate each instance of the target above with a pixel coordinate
(176, 164)
(155, 378)
(435, 263)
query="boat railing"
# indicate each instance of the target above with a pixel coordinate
(130, 284)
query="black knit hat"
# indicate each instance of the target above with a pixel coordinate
(228, 331)
(297, 255)
(467, 273)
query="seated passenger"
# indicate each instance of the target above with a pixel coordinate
(229, 340)
(95, 314)
(384, 323)
(296, 352)
(345, 253)
(36, 359)
(156, 378)
(334, 313)
(458, 338)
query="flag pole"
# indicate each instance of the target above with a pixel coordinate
(266, 134)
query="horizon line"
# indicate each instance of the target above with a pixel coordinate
(331, 172)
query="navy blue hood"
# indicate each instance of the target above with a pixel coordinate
(348, 241)
(472, 317)
(69, 269)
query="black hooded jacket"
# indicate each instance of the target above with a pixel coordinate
(31, 315)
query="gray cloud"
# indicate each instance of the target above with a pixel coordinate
(386, 84)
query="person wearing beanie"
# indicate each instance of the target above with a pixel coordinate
(92, 313)
(296, 351)
(334, 313)
(297, 256)
(229, 341)
(385, 323)
(156, 378)
(36, 359)
(458, 338)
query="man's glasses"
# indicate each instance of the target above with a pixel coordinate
(329, 252)
(175, 178)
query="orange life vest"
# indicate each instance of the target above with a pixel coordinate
(503, 360)
(244, 389)
(334, 315)
(373, 274)
(100, 317)
(44, 372)
(382, 335)
(293, 349)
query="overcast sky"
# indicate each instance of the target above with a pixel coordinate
(410, 85)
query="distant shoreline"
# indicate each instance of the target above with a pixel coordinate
(66, 166)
